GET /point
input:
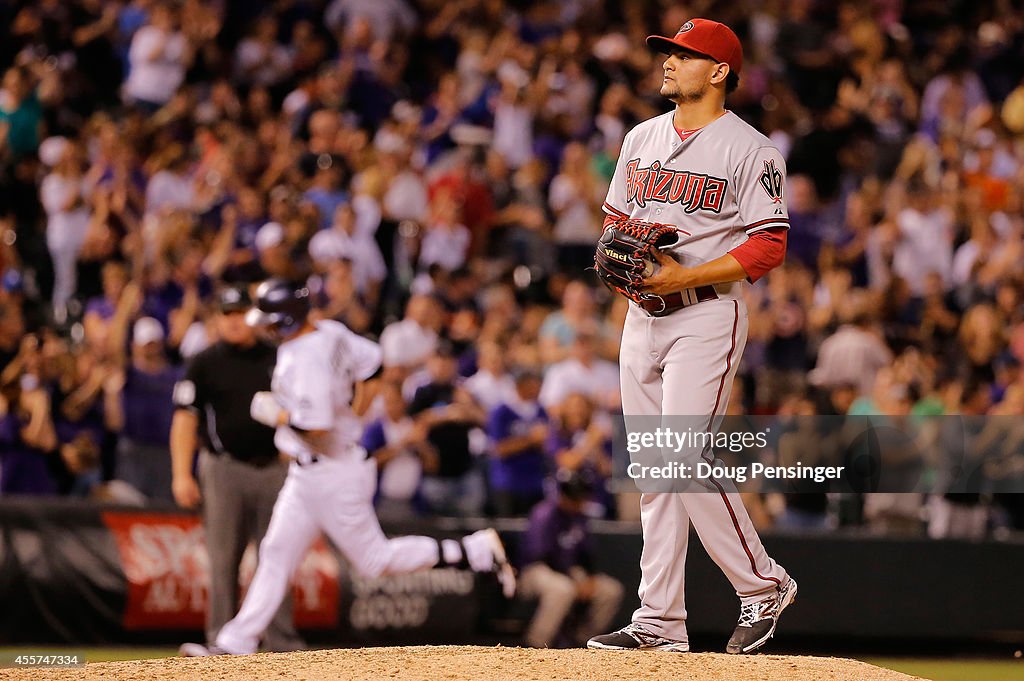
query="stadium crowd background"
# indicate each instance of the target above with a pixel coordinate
(436, 169)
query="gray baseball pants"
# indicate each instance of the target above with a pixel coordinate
(683, 365)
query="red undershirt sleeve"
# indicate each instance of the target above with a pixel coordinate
(762, 252)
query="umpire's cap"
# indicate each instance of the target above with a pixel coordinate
(281, 304)
(233, 299)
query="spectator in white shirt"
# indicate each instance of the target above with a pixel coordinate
(514, 111)
(583, 372)
(991, 254)
(260, 59)
(158, 57)
(926, 233)
(611, 111)
(172, 185)
(387, 17)
(343, 241)
(974, 251)
(368, 213)
(406, 195)
(64, 194)
(446, 241)
(402, 453)
(492, 384)
(574, 197)
(274, 250)
(407, 344)
(855, 353)
(955, 91)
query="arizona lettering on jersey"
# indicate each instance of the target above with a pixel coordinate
(693, 191)
(717, 186)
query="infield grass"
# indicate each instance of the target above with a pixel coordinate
(953, 669)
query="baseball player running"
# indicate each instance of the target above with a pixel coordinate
(719, 183)
(331, 480)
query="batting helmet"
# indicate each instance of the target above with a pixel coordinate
(281, 305)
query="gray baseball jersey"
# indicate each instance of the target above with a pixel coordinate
(720, 184)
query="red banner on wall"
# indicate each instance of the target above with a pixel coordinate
(167, 567)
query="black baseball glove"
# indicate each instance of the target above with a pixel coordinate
(625, 255)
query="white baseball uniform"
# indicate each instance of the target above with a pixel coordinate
(717, 185)
(330, 492)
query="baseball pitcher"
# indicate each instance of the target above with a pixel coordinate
(696, 208)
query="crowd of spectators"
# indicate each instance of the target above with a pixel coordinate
(435, 170)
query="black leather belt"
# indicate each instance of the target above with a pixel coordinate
(669, 303)
(315, 459)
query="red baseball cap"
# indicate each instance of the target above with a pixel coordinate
(706, 37)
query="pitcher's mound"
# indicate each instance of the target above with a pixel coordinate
(473, 663)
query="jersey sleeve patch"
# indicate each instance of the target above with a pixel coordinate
(761, 191)
(771, 181)
(184, 394)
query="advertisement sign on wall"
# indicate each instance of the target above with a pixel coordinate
(168, 574)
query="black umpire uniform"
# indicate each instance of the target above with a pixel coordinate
(240, 472)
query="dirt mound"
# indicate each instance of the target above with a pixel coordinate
(430, 663)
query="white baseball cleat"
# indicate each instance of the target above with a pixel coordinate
(200, 650)
(758, 620)
(486, 553)
(635, 636)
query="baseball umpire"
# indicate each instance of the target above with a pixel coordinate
(240, 472)
(696, 207)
